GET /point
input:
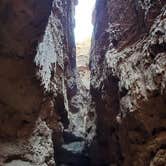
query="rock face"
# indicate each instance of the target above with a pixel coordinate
(128, 83)
(37, 78)
(73, 149)
(44, 103)
(83, 50)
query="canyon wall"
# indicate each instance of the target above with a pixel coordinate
(83, 49)
(37, 78)
(43, 103)
(128, 83)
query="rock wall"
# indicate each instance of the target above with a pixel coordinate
(83, 49)
(128, 83)
(73, 149)
(37, 78)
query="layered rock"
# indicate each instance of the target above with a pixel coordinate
(37, 78)
(128, 83)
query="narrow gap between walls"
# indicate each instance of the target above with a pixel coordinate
(83, 34)
(73, 150)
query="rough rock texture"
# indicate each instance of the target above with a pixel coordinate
(73, 150)
(37, 77)
(128, 83)
(80, 101)
(83, 50)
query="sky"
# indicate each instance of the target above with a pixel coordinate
(83, 17)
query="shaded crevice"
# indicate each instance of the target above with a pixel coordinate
(157, 49)
(62, 112)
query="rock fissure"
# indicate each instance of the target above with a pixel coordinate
(58, 106)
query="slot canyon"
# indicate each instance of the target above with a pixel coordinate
(101, 102)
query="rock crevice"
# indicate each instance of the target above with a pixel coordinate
(50, 115)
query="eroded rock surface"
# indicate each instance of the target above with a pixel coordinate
(128, 83)
(46, 113)
(83, 51)
(73, 150)
(37, 78)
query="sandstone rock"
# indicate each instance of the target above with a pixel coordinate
(36, 150)
(47, 115)
(128, 78)
(37, 63)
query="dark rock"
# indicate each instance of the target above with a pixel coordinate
(128, 69)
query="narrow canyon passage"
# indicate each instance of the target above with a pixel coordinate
(73, 100)
(74, 148)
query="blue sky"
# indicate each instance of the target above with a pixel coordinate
(83, 18)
